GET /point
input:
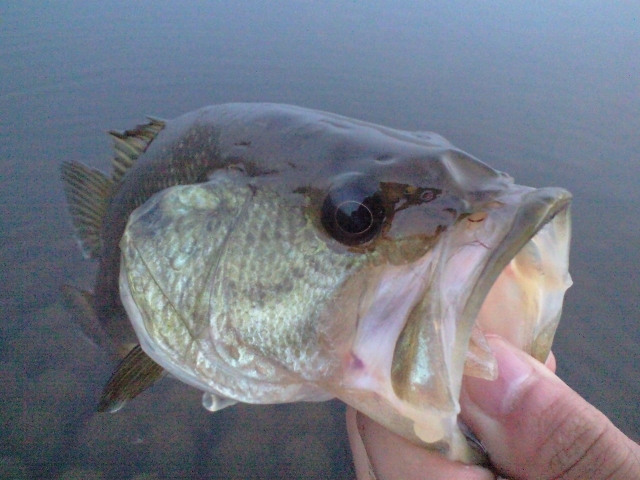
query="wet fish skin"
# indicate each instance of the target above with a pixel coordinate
(236, 284)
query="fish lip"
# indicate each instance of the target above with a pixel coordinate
(538, 208)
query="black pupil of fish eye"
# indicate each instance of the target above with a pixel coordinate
(353, 217)
(353, 214)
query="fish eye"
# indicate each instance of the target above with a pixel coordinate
(352, 215)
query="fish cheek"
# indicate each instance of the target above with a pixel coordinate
(419, 369)
(273, 284)
(402, 251)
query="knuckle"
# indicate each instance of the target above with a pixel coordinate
(574, 440)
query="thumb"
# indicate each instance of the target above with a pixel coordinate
(534, 426)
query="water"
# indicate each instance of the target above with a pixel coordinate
(547, 91)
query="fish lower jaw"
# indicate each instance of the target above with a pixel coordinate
(426, 411)
(428, 427)
(367, 386)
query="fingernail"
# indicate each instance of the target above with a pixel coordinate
(495, 398)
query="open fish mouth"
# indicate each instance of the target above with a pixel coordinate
(502, 269)
(527, 275)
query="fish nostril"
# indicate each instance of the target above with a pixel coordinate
(385, 158)
(428, 195)
(477, 217)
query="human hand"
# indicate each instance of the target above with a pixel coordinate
(532, 425)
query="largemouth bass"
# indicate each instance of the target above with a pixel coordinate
(268, 253)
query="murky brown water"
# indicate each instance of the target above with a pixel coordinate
(548, 93)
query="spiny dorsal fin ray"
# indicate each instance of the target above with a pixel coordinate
(87, 191)
(136, 373)
(130, 144)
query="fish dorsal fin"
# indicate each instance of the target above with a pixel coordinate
(136, 373)
(130, 144)
(87, 191)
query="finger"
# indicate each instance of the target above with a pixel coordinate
(534, 426)
(364, 470)
(379, 454)
(551, 362)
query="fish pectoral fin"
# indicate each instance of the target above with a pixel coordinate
(87, 191)
(135, 373)
(81, 305)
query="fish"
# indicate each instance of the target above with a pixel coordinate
(266, 253)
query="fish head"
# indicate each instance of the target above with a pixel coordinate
(372, 274)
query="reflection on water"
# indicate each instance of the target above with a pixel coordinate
(547, 94)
